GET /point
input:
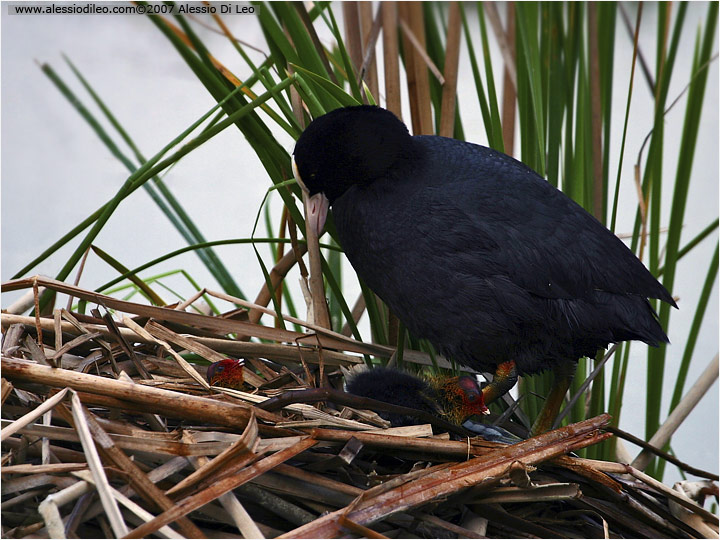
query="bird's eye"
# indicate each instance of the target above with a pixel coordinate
(220, 368)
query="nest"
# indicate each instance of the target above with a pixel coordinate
(109, 432)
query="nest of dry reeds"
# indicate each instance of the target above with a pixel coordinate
(108, 432)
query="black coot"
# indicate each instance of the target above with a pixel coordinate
(472, 249)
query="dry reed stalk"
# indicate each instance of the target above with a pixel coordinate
(325, 337)
(391, 57)
(243, 449)
(677, 496)
(32, 415)
(588, 470)
(416, 66)
(506, 44)
(6, 389)
(136, 443)
(353, 35)
(57, 322)
(139, 481)
(124, 345)
(369, 71)
(596, 112)
(288, 353)
(487, 469)
(704, 382)
(452, 56)
(45, 468)
(173, 404)
(547, 492)
(20, 446)
(437, 448)
(221, 487)
(189, 344)
(461, 532)
(112, 511)
(158, 474)
(222, 326)
(137, 509)
(316, 479)
(509, 96)
(229, 501)
(277, 277)
(319, 309)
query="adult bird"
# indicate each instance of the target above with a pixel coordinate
(474, 250)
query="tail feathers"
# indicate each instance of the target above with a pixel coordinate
(635, 319)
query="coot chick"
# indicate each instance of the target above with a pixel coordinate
(227, 373)
(454, 398)
(474, 250)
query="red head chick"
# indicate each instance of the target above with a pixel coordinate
(462, 397)
(227, 373)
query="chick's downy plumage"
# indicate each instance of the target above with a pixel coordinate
(472, 249)
(452, 398)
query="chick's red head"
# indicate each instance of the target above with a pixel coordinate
(227, 373)
(472, 397)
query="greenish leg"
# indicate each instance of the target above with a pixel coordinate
(504, 379)
(563, 377)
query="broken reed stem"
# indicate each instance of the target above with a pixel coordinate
(33, 415)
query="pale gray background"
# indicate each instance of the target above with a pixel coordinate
(55, 171)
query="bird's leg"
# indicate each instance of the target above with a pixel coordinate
(504, 379)
(564, 374)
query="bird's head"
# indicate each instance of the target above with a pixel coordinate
(463, 398)
(345, 147)
(227, 373)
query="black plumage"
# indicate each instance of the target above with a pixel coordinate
(398, 388)
(471, 248)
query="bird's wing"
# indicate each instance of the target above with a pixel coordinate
(530, 232)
